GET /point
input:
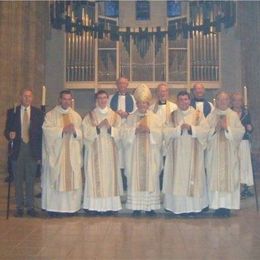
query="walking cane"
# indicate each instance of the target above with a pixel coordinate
(255, 189)
(10, 146)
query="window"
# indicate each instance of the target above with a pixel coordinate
(142, 10)
(141, 54)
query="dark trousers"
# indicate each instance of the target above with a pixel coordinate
(24, 170)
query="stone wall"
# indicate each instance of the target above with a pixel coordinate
(23, 29)
(248, 30)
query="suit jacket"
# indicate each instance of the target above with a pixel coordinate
(13, 123)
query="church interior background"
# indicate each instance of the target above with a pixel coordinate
(85, 46)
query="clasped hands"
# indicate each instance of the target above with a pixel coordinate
(142, 129)
(122, 113)
(104, 123)
(222, 124)
(185, 126)
(69, 129)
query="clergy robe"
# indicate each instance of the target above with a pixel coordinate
(244, 154)
(103, 184)
(62, 162)
(142, 161)
(127, 104)
(185, 179)
(163, 111)
(222, 160)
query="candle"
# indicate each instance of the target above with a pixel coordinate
(43, 95)
(245, 96)
(73, 103)
(214, 102)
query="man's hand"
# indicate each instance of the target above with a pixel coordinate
(122, 114)
(104, 123)
(142, 129)
(185, 126)
(249, 128)
(12, 135)
(69, 129)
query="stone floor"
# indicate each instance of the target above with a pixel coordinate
(124, 237)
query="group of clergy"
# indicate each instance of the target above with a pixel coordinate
(194, 145)
(191, 151)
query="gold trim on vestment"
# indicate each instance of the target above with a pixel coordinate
(194, 185)
(66, 177)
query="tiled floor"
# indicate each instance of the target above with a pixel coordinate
(124, 237)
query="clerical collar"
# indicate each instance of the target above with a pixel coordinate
(62, 110)
(199, 99)
(103, 110)
(187, 111)
(222, 112)
(121, 94)
(161, 103)
(141, 115)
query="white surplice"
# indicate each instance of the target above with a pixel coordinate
(222, 160)
(142, 161)
(62, 162)
(185, 180)
(164, 113)
(103, 184)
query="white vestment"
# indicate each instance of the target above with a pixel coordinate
(185, 180)
(142, 161)
(121, 105)
(62, 162)
(164, 113)
(245, 163)
(222, 160)
(103, 184)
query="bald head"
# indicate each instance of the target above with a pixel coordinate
(122, 84)
(198, 90)
(162, 92)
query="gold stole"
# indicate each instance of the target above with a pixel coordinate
(66, 177)
(96, 189)
(224, 177)
(144, 182)
(194, 184)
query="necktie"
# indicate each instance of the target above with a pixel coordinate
(25, 130)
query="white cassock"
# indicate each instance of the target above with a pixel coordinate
(245, 163)
(142, 161)
(103, 184)
(222, 160)
(185, 180)
(164, 113)
(62, 162)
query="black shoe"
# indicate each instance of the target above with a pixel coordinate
(91, 213)
(136, 213)
(32, 213)
(52, 214)
(19, 213)
(150, 213)
(205, 209)
(222, 213)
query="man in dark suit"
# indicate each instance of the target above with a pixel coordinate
(23, 130)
